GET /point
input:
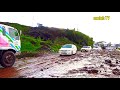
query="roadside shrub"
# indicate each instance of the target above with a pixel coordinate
(29, 43)
(59, 42)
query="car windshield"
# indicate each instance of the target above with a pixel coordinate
(86, 47)
(67, 46)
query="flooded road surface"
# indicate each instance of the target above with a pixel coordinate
(82, 65)
(8, 72)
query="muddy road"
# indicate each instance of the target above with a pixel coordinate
(93, 64)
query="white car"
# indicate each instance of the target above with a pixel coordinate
(68, 49)
(111, 48)
(98, 48)
(86, 48)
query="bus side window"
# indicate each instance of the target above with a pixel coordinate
(3, 28)
(13, 33)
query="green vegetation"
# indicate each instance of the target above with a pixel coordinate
(35, 40)
(79, 38)
(58, 43)
(23, 28)
(30, 44)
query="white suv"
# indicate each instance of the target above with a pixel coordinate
(86, 48)
(68, 49)
(97, 48)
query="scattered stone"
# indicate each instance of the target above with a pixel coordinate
(112, 65)
(52, 58)
(93, 71)
(62, 59)
(83, 69)
(76, 60)
(56, 62)
(117, 62)
(73, 71)
(116, 71)
(101, 66)
(108, 62)
(41, 69)
(108, 75)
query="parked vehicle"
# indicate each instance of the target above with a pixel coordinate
(10, 45)
(110, 48)
(86, 48)
(97, 48)
(68, 49)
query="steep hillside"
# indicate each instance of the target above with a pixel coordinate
(36, 39)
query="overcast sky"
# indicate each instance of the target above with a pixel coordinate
(100, 30)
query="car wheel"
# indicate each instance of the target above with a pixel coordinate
(71, 52)
(8, 59)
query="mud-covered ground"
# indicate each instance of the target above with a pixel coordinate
(104, 64)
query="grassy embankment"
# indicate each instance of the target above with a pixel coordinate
(37, 40)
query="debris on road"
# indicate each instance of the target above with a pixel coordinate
(102, 64)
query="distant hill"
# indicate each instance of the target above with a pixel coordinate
(49, 38)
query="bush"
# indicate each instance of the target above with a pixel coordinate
(59, 42)
(29, 44)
